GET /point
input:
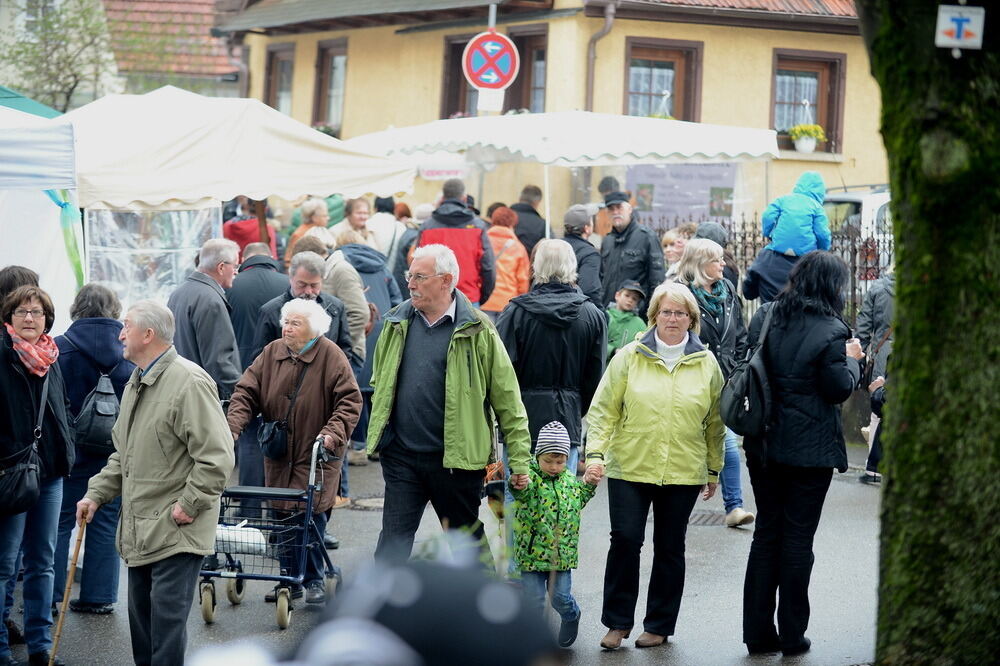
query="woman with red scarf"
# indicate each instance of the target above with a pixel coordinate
(28, 371)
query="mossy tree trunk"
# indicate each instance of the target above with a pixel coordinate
(939, 591)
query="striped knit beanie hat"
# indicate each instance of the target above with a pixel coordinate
(552, 438)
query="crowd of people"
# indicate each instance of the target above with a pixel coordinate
(438, 344)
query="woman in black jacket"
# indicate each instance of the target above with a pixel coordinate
(701, 268)
(28, 369)
(812, 366)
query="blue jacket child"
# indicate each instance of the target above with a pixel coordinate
(796, 222)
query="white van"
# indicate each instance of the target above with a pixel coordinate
(861, 217)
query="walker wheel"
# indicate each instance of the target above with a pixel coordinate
(208, 602)
(234, 590)
(283, 608)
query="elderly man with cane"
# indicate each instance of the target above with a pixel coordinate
(173, 455)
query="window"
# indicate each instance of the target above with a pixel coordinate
(808, 89)
(35, 12)
(528, 89)
(280, 67)
(458, 97)
(663, 78)
(331, 72)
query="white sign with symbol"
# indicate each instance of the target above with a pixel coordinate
(960, 27)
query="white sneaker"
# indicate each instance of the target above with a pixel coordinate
(357, 458)
(738, 517)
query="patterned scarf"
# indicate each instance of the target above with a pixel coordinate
(35, 357)
(712, 302)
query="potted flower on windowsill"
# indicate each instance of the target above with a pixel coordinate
(806, 136)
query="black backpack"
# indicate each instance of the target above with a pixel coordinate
(746, 397)
(98, 413)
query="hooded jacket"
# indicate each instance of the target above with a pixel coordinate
(342, 280)
(875, 320)
(588, 268)
(631, 254)
(547, 520)
(380, 290)
(457, 227)
(623, 327)
(259, 281)
(89, 347)
(513, 268)
(796, 223)
(556, 341)
(650, 424)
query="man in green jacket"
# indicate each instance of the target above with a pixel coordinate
(440, 375)
(173, 455)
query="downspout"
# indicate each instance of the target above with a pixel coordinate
(583, 195)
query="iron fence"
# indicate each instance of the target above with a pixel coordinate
(868, 257)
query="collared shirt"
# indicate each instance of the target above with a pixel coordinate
(450, 312)
(149, 367)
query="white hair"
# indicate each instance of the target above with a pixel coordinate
(216, 251)
(444, 260)
(555, 261)
(318, 318)
(310, 207)
(423, 211)
(312, 262)
(156, 316)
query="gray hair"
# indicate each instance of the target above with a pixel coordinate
(697, 253)
(555, 261)
(453, 188)
(95, 300)
(150, 314)
(312, 262)
(444, 260)
(216, 251)
(310, 207)
(318, 318)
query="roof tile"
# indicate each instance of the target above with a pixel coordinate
(839, 8)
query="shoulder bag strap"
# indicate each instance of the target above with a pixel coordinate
(885, 337)
(291, 405)
(37, 433)
(765, 327)
(392, 251)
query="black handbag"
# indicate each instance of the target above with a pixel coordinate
(21, 473)
(273, 435)
(746, 398)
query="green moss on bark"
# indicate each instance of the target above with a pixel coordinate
(939, 595)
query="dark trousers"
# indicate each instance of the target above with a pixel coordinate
(159, 600)
(294, 539)
(789, 504)
(629, 504)
(412, 480)
(251, 463)
(875, 455)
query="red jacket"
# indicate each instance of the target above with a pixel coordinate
(246, 230)
(458, 228)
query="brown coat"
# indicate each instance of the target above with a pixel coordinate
(329, 403)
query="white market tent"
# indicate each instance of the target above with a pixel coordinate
(171, 149)
(573, 139)
(35, 153)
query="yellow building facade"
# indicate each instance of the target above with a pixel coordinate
(403, 74)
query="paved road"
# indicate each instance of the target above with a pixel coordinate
(843, 589)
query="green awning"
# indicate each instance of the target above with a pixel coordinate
(15, 100)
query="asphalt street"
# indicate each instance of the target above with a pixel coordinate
(843, 590)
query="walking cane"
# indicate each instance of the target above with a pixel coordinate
(69, 586)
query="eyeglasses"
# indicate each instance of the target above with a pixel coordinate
(417, 277)
(673, 314)
(22, 313)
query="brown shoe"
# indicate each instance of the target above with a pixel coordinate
(647, 640)
(613, 639)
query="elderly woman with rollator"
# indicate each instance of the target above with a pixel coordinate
(306, 379)
(656, 432)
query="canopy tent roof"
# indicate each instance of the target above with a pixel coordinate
(574, 138)
(173, 149)
(35, 153)
(15, 100)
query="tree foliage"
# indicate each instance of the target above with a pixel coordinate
(939, 596)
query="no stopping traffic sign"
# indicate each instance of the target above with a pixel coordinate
(490, 61)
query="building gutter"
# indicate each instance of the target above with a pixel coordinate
(609, 18)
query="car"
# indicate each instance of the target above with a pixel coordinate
(861, 223)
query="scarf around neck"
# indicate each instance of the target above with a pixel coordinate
(35, 357)
(714, 300)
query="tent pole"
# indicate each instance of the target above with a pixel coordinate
(260, 210)
(548, 197)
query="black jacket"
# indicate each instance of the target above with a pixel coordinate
(810, 376)
(632, 254)
(725, 335)
(588, 268)
(530, 225)
(556, 340)
(767, 276)
(259, 281)
(21, 392)
(269, 326)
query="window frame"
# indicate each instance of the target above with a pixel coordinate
(533, 37)
(325, 50)
(275, 54)
(452, 74)
(690, 74)
(831, 101)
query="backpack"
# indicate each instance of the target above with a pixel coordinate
(746, 397)
(98, 413)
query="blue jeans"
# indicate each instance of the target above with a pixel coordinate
(99, 582)
(559, 583)
(732, 491)
(11, 586)
(35, 531)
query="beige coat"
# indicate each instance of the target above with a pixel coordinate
(329, 403)
(171, 445)
(342, 280)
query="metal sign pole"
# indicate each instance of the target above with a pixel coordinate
(493, 17)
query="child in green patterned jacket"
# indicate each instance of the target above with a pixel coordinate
(547, 528)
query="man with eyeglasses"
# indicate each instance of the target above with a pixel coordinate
(630, 251)
(441, 374)
(204, 331)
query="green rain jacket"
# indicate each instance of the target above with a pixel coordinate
(479, 383)
(547, 521)
(623, 327)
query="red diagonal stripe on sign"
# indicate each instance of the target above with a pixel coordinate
(491, 61)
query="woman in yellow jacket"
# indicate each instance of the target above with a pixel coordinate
(512, 262)
(656, 432)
